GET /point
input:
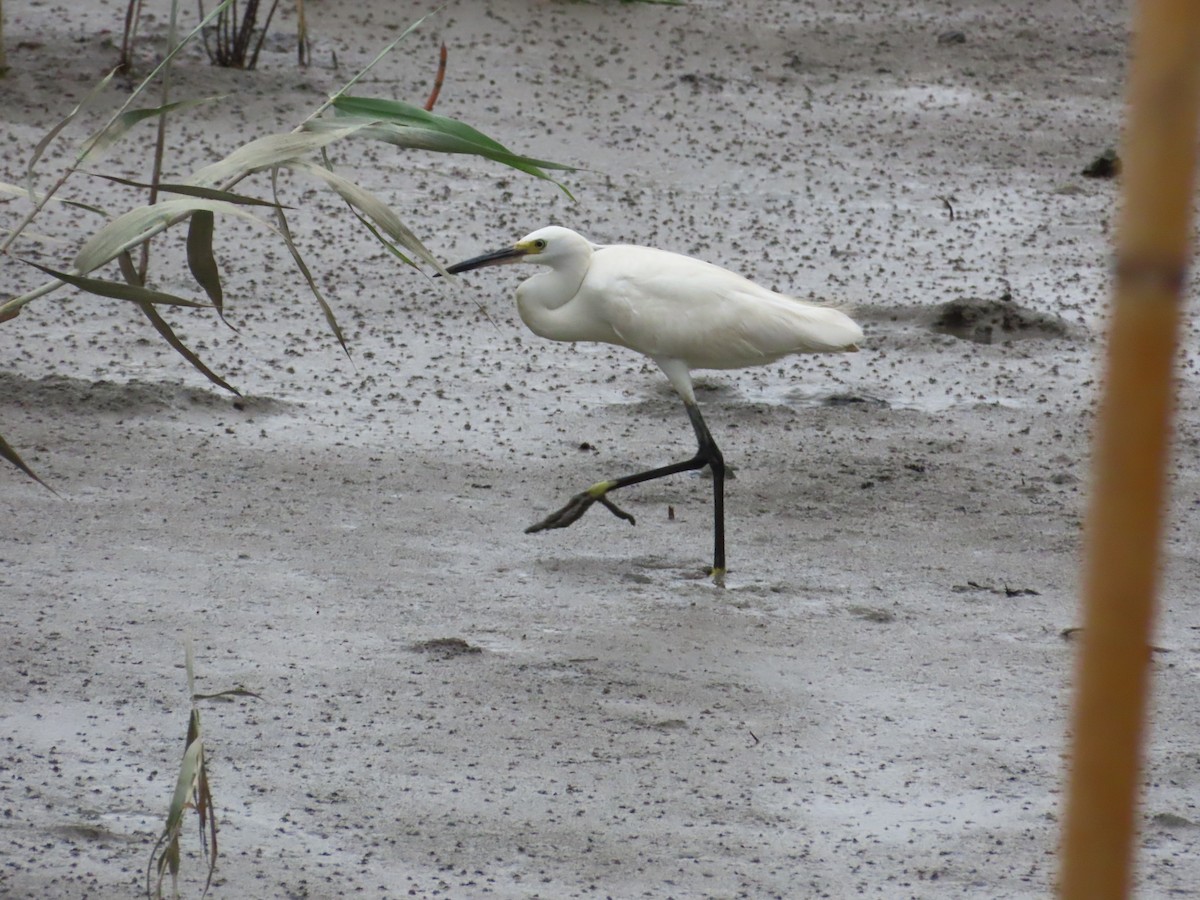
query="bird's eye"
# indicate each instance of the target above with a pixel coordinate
(539, 244)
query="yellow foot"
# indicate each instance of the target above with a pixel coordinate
(599, 489)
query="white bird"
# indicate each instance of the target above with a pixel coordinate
(681, 312)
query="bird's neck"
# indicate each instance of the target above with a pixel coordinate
(540, 299)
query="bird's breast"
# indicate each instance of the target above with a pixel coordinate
(547, 314)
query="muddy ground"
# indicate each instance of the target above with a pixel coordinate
(876, 703)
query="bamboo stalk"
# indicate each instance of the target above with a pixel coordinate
(1131, 452)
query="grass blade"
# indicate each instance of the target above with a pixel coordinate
(379, 236)
(397, 112)
(130, 272)
(8, 453)
(131, 228)
(326, 309)
(117, 128)
(424, 136)
(118, 291)
(162, 327)
(372, 207)
(401, 113)
(265, 153)
(369, 66)
(57, 129)
(207, 812)
(420, 137)
(185, 787)
(187, 190)
(16, 191)
(201, 260)
(189, 667)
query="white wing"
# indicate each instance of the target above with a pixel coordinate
(669, 306)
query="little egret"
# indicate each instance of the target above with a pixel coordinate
(681, 312)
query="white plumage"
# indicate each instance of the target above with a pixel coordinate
(670, 307)
(681, 312)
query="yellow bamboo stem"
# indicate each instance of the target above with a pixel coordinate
(1131, 449)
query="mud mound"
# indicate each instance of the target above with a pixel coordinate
(64, 393)
(991, 321)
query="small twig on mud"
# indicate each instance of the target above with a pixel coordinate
(437, 82)
(946, 203)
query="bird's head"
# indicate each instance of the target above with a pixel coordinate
(548, 246)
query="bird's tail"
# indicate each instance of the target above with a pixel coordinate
(827, 329)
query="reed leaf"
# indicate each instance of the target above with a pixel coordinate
(118, 127)
(187, 190)
(372, 207)
(382, 238)
(265, 153)
(131, 228)
(8, 453)
(201, 261)
(326, 309)
(18, 191)
(401, 113)
(117, 290)
(406, 125)
(185, 784)
(189, 668)
(167, 861)
(164, 328)
(41, 145)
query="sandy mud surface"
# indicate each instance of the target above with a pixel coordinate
(876, 703)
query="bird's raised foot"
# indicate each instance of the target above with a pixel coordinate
(577, 506)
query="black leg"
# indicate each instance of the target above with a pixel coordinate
(707, 454)
(716, 462)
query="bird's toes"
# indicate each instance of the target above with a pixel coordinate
(576, 507)
(617, 511)
(568, 515)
